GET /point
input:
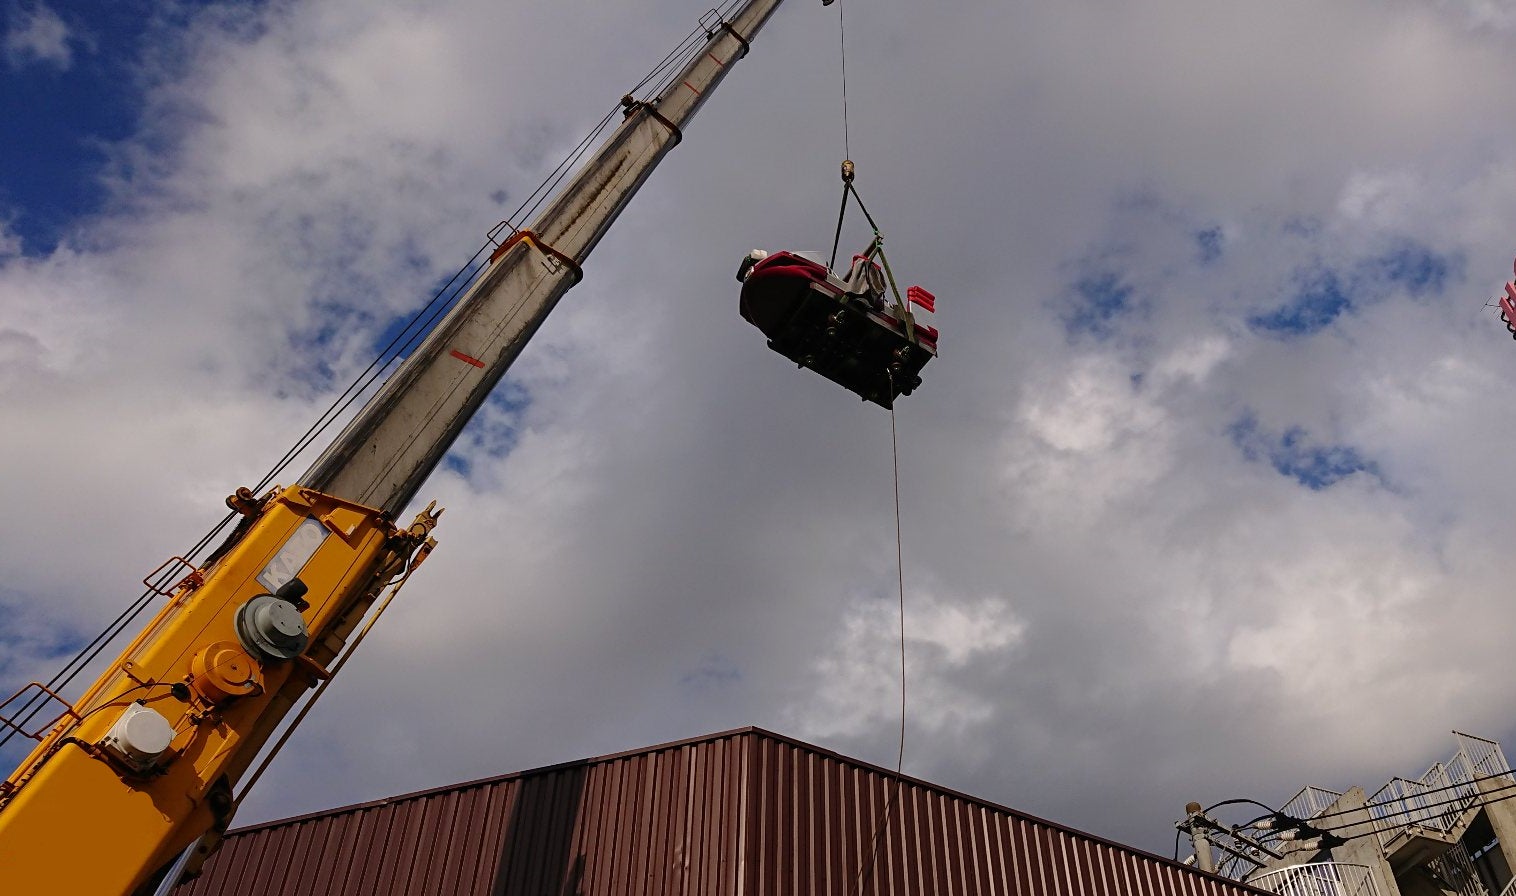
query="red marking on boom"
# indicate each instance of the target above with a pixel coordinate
(467, 359)
(715, 60)
(690, 86)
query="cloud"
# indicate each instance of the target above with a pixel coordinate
(857, 684)
(1116, 601)
(38, 35)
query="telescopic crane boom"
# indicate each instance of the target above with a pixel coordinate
(145, 763)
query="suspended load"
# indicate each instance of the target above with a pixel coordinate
(839, 326)
(1508, 306)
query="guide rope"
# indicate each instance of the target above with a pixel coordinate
(876, 248)
(867, 868)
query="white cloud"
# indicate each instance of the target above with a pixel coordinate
(1111, 609)
(857, 681)
(1493, 14)
(37, 34)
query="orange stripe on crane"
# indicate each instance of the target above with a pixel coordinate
(691, 87)
(467, 359)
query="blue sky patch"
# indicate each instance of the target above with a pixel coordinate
(51, 641)
(71, 87)
(1210, 243)
(1319, 300)
(64, 98)
(1415, 267)
(1100, 299)
(1322, 294)
(494, 432)
(713, 671)
(33, 647)
(1294, 454)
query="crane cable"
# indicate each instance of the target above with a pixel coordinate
(842, 54)
(398, 347)
(866, 869)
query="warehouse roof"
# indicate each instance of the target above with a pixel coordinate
(743, 811)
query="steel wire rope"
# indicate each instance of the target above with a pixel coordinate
(1392, 817)
(429, 312)
(550, 184)
(842, 54)
(692, 38)
(1482, 803)
(1413, 811)
(672, 67)
(411, 334)
(1504, 773)
(867, 869)
(679, 55)
(92, 650)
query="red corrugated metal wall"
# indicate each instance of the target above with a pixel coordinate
(743, 813)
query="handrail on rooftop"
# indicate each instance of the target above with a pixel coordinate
(1310, 802)
(1319, 879)
(1485, 757)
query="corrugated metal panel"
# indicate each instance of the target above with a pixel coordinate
(742, 813)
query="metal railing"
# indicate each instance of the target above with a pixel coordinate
(1307, 804)
(1404, 803)
(1318, 879)
(1310, 802)
(1440, 801)
(1454, 868)
(1439, 798)
(1484, 757)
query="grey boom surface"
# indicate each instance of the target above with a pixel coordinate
(389, 449)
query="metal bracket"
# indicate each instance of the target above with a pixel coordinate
(532, 239)
(711, 15)
(155, 579)
(746, 47)
(50, 696)
(633, 105)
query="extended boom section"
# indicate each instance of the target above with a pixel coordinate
(390, 448)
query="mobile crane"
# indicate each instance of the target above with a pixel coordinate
(142, 767)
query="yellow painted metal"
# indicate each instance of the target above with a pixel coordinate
(74, 818)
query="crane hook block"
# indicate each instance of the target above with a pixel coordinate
(838, 326)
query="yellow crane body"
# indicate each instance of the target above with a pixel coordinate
(212, 668)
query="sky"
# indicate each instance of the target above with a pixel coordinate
(1203, 499)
